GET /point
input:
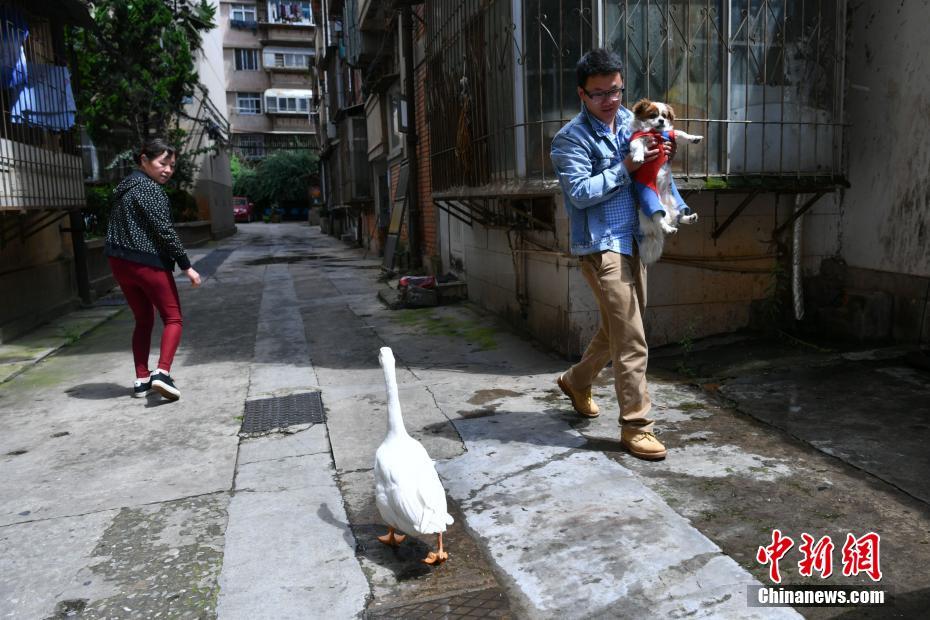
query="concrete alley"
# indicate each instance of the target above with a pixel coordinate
(113, 507)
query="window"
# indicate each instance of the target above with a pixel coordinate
(292, 61)
(760, 79)
(243, 13)
(287, 104)
(246, 60)
(252, 146)
(248, 103)
(291, 12)
(768, 67)
(397, 116)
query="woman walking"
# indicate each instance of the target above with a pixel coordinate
(143, 247)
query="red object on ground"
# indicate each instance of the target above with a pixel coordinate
(418, 281)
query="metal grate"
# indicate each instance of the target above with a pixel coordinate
(209, 264)
(266, 414)
(489, 603)
(760, 79)
(40, 163)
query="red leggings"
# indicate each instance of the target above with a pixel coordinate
(147, 289)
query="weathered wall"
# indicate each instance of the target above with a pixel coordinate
(213, 185)
(702, 287)
(885, 222)
(37, 279)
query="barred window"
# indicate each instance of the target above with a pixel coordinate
(291, 12)
(760, 79)
(292, 61)
(40, 160)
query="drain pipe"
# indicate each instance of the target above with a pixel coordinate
(797, 290)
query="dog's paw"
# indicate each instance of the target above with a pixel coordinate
(689, 219)
(696, 139)
(668, 230)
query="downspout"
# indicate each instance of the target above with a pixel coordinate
(797, 289)
(413, 206)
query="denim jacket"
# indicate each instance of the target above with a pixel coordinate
(596, 186)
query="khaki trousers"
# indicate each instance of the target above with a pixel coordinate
(619, 285)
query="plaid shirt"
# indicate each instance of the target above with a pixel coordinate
(596, 187)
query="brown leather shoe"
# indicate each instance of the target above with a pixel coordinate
(581, 399)
(641, 444)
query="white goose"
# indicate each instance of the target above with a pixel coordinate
(408, 492)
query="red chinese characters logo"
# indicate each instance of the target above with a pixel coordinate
(817, 557)
(773, 553)
(860, 555)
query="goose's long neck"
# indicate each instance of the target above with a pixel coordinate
(395, 419)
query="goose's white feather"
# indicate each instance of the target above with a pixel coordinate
(408, 492)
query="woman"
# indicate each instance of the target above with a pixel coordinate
(143, 248)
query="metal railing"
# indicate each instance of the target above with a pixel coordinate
(40, 161)
(760, 79)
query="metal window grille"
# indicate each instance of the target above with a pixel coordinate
(290, 13)
(40, 160)
(761, 79)
(257, 146)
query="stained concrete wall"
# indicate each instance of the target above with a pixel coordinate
(37, 280)
(702, 287)
(885, 212)
(213, 185)
(881, 287)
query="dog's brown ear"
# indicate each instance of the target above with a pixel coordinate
(670, 112)
(641, 108)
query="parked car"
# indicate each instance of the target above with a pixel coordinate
(243, 210)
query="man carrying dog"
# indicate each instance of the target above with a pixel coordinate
(591, 158)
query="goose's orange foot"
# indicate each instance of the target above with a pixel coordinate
(391, 538)
(435, 557)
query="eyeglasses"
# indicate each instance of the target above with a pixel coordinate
(614, 94)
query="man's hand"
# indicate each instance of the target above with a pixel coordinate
(194, 277)
(670, 146)
(651, 153)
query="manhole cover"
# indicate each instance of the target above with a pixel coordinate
(489, 603)
(265, 414)
(208, 265)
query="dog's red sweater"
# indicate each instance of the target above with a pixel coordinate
(647, 173)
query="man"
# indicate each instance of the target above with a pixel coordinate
(591, 157)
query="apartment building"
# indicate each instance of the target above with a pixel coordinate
(268, 49)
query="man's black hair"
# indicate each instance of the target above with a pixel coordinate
(598, 61)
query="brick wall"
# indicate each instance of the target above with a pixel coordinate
(429, 218)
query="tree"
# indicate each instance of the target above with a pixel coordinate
(284, 176)
(136, 67)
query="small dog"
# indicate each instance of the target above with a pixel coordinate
(661, 206)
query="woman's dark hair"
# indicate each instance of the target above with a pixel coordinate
(153, 149)
(598, 61)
